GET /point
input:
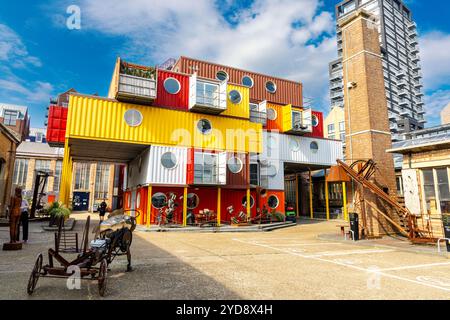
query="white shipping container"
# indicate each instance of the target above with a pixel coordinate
(168, 165)
(158, 165)
(300, 149)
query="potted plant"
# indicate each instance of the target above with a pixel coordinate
(56, 210)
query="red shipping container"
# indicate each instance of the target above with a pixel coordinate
(317, 131)
(179, 100)
(56, 128)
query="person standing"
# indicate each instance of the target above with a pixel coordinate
(14, 218)
(102, 210)
(24, 220)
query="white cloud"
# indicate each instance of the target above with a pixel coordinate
(435, 54)
(13, 50)
(435, 102)
(14, 55)
(16, 90)
(286, 38)
(435, 51)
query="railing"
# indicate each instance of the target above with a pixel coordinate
(258, 117)
(210, 98)
(439, 243)
(137, 86)
(336, 94)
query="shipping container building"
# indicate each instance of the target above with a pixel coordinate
(204, 140)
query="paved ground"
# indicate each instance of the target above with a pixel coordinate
(284, 264)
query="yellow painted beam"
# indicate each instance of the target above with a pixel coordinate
(327, 200)
(219, 205)
(249, 214)
(311, 211)
(149, 205)
(185, 193)
(344, 197)
(66, 175)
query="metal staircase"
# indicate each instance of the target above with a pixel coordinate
(405, 222)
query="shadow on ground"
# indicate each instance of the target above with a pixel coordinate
(156, 274)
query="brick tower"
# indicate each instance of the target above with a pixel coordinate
(366, 115)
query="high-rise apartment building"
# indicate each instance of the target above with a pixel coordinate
(401, 63)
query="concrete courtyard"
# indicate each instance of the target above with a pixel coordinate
(292, 263)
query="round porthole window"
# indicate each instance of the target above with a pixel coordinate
(235, 96)
(273, 202)
(204, 126)
(294, 145)
(169, 160)
(272, 171)
(271, 114)
(314, 146)
(244, 201)
(221, 75)
(235, 165)
(315, 121)
(133, 117)
(159, 200)
(247, 81)
(271, 87)
(192, 200)
(172, 85)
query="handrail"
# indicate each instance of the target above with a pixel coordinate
(375, 189)
(353, 235)
(439, 243)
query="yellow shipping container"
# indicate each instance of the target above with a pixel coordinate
(95, 118)
(242, 109)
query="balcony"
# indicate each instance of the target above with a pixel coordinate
(404, 112)
(336, 85)
(392, 116)
(301, 121)
(393, 126)
(416, 67)
(412, 33)
(419, 94)
(207, 96)
(136, 83)
(338, 104)
(209, 168)
(401, 74)
(416, 58)
(403, 103)
(417, 75)
(403, 93)
(412, 25)
(418, 85)
(402, 83)
(336, 95)
(414, 50)
(258, 113)
(336, 76)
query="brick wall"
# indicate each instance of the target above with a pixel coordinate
(7, 157)
(368, 133)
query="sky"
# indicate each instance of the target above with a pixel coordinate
(44, 51)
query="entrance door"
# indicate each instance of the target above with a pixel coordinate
(80, 201)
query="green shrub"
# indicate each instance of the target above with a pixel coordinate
(56, 210)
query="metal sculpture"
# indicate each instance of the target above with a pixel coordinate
(113, 238)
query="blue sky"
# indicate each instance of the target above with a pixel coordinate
(40, 56)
